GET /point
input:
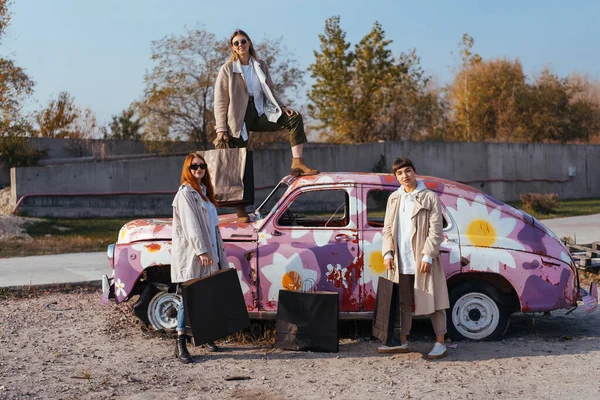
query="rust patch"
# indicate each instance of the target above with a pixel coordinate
(249, 255)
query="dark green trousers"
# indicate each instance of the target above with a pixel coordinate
(294, 125)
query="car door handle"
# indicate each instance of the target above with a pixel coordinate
(342, 237)
(276, 233)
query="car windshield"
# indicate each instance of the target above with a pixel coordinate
(271, 201)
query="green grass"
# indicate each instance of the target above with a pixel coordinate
(60, 236)
(567, 208)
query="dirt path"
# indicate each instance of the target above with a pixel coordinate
(68, 346)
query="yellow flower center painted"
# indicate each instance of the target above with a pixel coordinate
(291, 281)
(481, 233)
(376, 262)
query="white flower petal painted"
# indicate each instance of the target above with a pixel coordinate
(322, 237)
(289, 269)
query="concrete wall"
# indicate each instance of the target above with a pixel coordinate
(500, 169)
(70, 148)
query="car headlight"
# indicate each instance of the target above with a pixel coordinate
(110, 253)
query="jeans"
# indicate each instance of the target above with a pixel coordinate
(181, 318)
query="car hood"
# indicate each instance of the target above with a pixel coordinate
(161, 229)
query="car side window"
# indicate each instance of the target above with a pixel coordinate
(376, 205)
(318, 208)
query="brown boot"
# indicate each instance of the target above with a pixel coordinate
(242, 214)
(299, 168)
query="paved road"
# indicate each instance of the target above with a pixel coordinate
(584, 229)
(65, 268)
(59, 268)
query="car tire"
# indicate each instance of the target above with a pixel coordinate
(158, 309)
(477, 312)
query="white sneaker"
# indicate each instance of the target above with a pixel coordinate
(438, 351)
(393, 348)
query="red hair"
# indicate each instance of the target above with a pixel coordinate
(187, 177)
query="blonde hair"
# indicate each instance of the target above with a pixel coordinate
(251, 50)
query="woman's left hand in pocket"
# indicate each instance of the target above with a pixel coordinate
(425, 267)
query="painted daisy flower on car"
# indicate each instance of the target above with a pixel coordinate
(373, 261)
(288, 273)
(153, 253)
(482, 228)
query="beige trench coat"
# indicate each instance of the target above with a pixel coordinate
(231, 96)
(430, 290)
(191, 237)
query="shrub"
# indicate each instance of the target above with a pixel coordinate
(541, 203)
(16, 152)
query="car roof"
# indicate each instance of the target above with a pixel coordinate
(372, 178)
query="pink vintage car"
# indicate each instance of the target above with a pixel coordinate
(326, 230)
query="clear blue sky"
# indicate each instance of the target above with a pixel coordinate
(99, 50)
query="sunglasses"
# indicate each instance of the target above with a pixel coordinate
(194, 167)
(237, 42)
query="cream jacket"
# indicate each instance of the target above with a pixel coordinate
(191, 237)
(430, 290)
(231, 96)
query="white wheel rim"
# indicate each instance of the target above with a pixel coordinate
(157, 309)
(475, 316)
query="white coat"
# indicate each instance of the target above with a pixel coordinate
(191, 237)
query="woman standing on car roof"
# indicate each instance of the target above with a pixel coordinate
(412, 235)
(245, 101)
(197, 247)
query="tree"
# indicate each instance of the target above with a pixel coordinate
(15, 84)
(58, 119)
(179, 89)
(331, 94)
(363, 95)
(484, 99)
(125, 126)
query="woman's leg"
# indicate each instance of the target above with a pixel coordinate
(181, 351)
(181, 319)
(438, 320)
(294, 125)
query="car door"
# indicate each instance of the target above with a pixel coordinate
(311, 243)
(371, 220)
(371, 224)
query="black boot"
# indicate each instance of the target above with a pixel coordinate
(181, 351)
(211, 346)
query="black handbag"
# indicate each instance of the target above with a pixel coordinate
(215, 306)
(386, 316)
(307, 321)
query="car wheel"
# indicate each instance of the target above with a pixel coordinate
(162, 311)
(158, 309)
(477, 312)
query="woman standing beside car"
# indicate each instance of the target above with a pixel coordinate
(197, 247)
(412, 235)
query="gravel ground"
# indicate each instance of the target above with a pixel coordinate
(66, 345)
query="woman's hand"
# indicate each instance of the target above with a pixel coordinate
(205, 259)
(389, 263)
(289, 111)
(425, 267)
(220, 135)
